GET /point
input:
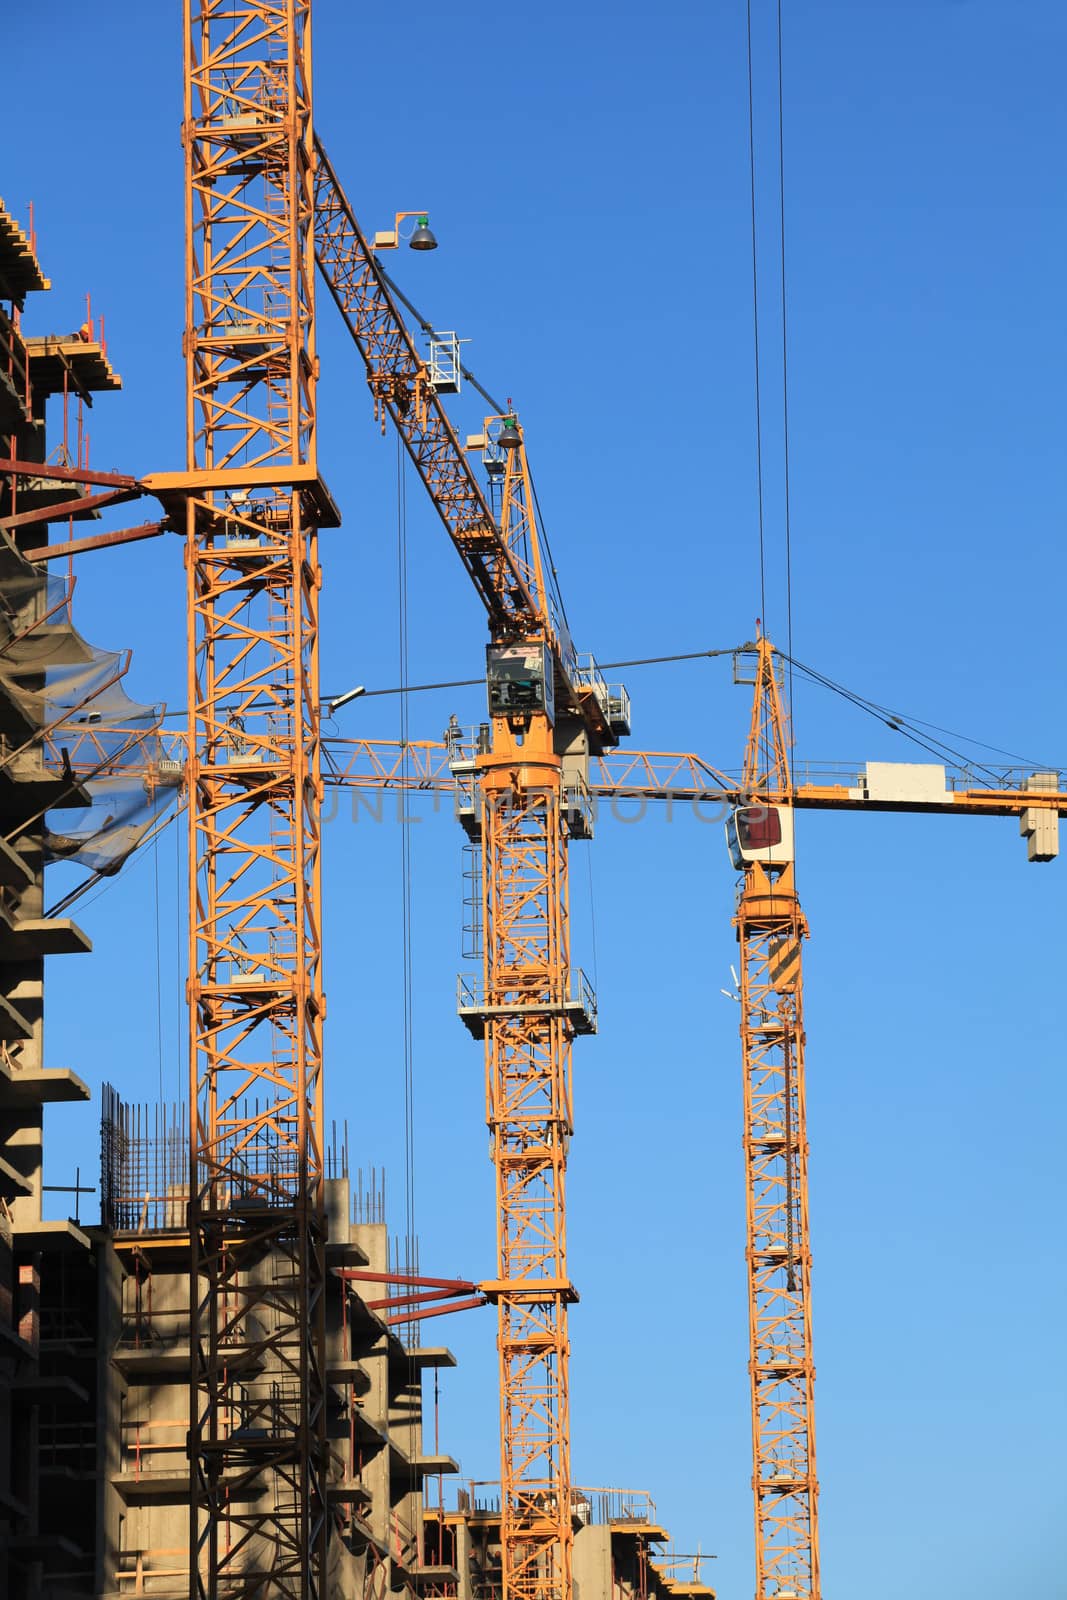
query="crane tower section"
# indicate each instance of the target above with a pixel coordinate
(528, 1006)
(770, 930)
(528, 1034)
(253, 504)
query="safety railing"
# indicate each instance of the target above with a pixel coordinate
(146, 1571)
(577, 1002)
(597, 1506)
(13, 363)
(149, 1447)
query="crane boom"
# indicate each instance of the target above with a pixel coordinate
(400, 385)
(653, 775)
(512, 586)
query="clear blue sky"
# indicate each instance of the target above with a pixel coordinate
(585, 168)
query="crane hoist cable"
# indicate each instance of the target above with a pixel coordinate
(159, 963)
(786, 484)
(909, 726)
(755, 324)
(543, 529)
(428, 328)
(405, 853)
(785, 391)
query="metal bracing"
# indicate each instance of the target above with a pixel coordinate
(770, 931)
(257, 1436)
(528, 1030)
(518, 604)
(528, 1078)
(425, 765)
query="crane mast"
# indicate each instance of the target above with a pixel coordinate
(253, 503)
(528, 1108)
(526, 1018)
(770, 930)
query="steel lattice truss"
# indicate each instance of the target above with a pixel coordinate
(249, 293)
(257, 1424)
(528, 1050)
(770, 928)
(399, 382)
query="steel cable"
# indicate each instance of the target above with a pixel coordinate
(405, 857)
(755, 325)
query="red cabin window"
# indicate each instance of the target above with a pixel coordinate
(759, 827)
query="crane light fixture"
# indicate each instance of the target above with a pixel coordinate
(421, 237)
(343, 699)
(508, 438)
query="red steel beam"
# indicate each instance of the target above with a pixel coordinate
(407, 1279)
(417, 1297)
(97, 541)
(66, 508)
(44, 469)
(437, 1311)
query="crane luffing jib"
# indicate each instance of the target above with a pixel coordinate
(399, 382)
(518, 606)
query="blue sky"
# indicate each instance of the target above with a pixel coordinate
(586, 171)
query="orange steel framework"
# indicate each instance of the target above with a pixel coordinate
(528, 1035)
(770, 930)
(253, 502)
(401, 389)
(425, 765)
(509, 586)
(528, 1026)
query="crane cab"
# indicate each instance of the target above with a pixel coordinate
(520, 681)
(760, 833)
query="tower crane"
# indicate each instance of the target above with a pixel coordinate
(770, 931)
(771, 928)
(548, 714)
(251, 502)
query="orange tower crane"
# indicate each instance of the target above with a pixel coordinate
(770, 930)
(523, 1008)
(253, 502)
(547, 712)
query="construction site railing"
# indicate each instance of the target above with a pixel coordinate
(598, 1507)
